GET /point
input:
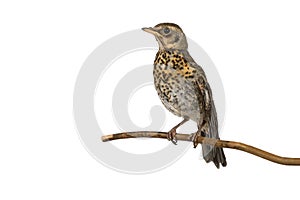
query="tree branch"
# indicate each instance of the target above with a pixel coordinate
(219, 143)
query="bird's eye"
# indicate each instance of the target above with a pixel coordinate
(166, 30)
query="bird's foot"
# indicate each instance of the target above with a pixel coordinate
(194, 139)
(172, 132)
(172, 136)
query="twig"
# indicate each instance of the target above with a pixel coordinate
(219, 143)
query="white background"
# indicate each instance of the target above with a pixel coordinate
(255, 46)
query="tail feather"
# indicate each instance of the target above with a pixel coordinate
(210, 129)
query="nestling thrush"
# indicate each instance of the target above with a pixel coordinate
(183, 88)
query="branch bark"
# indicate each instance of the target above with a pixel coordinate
(219, 143)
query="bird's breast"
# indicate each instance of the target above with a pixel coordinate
(176, 91)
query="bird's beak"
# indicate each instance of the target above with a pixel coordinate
(151, 30)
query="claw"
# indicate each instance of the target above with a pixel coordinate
(172, 136)
(174, 141)
(172, 132)
(194, 139)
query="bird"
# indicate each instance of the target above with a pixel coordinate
(183, 88)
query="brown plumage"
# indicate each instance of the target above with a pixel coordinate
(183, 88)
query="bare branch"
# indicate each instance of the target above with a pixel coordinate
(219, 143)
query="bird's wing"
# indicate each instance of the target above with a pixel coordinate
(202, 85)
(209, 126)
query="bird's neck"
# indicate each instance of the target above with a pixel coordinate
(169, 57)
(163, 56)
(172, 51)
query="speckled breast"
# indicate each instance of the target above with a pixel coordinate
(175, 87)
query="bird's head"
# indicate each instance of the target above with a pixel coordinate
(168, 36)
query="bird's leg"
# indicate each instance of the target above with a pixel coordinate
(195, 135)
(172, 132)
(199, 132)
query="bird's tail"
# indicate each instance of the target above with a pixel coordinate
(210, 130)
